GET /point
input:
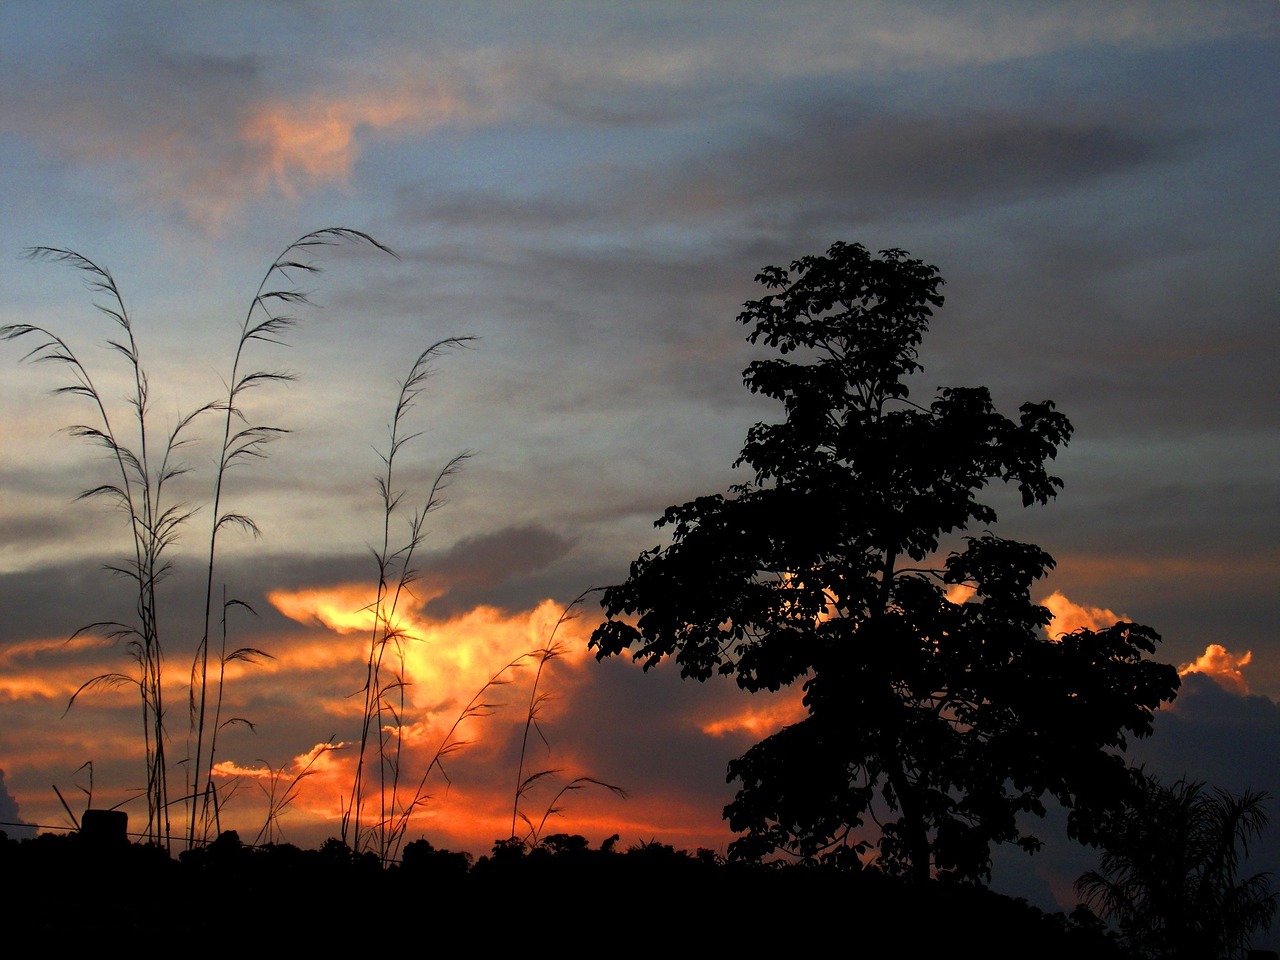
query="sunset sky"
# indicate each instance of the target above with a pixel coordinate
(588, 189)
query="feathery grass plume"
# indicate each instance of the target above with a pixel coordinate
(555, 809)
(553, 649)
(450, 744)
(144, 467)
(265, 322)
(279, 800)
(384, 684)
(139, 491)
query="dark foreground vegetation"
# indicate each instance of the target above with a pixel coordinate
(562, 894)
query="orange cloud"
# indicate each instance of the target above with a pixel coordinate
(466, 693)
(445, 660)
(758, 721)
(1069, 616)
(30, 687)
(1222, 666)
(315, 140)
(344, 608)
(209, 152)
(297, 791)
(56, 668)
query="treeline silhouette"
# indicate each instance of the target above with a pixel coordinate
(561, 891)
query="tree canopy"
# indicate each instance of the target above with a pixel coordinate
(859, 560)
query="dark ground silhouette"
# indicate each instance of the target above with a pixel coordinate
(71, 889)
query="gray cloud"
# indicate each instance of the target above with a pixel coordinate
(1223, 738)
(876, 166)
(11, 822)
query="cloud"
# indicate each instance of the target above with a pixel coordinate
(863, 165)
(177, 152)
(11, 822)
(759, 720)
(218, 132)
(1222, 666)
(1219, 735)
(465, 690)
(306, 142)
(1212, 732)
(1068, 616)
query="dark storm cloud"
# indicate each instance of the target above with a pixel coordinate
(1162, 325)
(1209, 735)
(507, 568)
(838, 162)
(421, 203)
(1173, 517)
(19, 532)
(608, 100)
(54, 601)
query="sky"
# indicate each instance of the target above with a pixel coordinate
(588, 191)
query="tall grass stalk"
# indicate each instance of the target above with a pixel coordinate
(383, 691)
(243, 655)
(279, 800)
(478, 706)
(144, 468)
(242, 441)
(139, 490)
(552, 650)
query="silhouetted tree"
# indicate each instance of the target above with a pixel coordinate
(941, 720)
(1170, 871)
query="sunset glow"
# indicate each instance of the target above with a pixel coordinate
(586, 193)
(467, 686)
